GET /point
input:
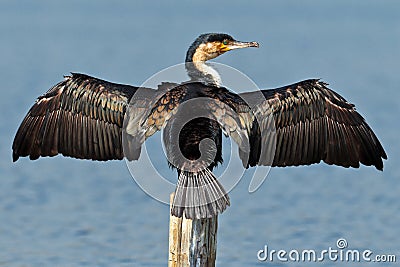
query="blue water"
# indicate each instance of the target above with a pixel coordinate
(66, 212)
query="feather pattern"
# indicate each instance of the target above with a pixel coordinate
(299, 124)
(313, 123)
(80, 117)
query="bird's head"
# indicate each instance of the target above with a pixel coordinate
(210, 45)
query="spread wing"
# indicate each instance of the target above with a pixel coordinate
(311, 123)
(80, 117)
(88, 118)
(83, 117)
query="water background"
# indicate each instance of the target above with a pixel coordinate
(66, 212)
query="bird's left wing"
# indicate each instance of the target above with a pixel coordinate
(305, 123)
(80, 117)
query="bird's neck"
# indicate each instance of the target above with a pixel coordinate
(201, 71)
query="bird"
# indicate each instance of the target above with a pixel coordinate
(303, 123)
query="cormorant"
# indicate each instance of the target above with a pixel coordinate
(83, 117)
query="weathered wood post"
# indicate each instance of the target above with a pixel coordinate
(192, 242)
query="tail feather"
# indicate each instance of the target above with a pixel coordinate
(199, 195)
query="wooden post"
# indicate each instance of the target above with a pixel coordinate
(175, 236)
(192, 242)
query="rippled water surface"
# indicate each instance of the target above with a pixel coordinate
(66, 212)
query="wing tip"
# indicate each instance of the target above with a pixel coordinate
(379, 165)
(15, 157)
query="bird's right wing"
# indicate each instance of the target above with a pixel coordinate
(80, 117)
(310, 123)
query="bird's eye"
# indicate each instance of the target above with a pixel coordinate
(225, 42)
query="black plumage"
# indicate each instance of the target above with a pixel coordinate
(71, 119)
(300, 124)
(314, 123)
